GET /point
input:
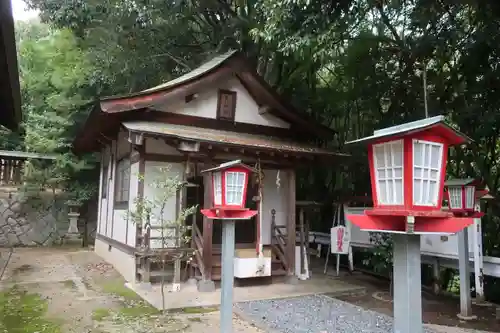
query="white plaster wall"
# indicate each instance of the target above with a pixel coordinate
(124, 263)
(111, 191)
(103, 213)
(103, 203)
(153, 170)
(117, 218)
(120, 225)
(247, 110)
(274, 197)
(134, 189)
(99, 194)
(158, 146)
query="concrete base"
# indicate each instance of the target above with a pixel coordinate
(72, 239)
(481, 302)
(191, 297)
(206, 286)
(192, 282)
(466, 318)
(144, 285)
(291, 279)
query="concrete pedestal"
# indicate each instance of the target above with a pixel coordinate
(407, 284)
(206, 286)
(227, 282)
(73, 235)
(464, 270)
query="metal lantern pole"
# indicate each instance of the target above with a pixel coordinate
(227, 216)
(227, 283)
(407, 284)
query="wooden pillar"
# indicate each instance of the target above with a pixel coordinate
(302, 241)
(291, 224)
(207, 229)
(140, 192)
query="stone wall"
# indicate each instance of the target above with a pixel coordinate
(25, 224)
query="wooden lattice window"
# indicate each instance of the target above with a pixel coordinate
(389, 170)
(122, 183)
(426, 172)
(226, 105)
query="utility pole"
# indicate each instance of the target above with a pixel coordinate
(424, 79)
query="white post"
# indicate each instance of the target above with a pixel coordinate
(436, 274)
(477, 235)
(227, 282)
(407, 284)
(464, 268)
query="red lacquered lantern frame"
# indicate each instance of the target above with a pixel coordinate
(410, 217)
(462, 185)
(224, 210)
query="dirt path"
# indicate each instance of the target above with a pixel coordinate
(56, 291)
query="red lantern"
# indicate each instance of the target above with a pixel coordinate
(407, 170)
(462, 196)
(229, 191)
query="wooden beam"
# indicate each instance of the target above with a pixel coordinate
(207, 229)
(188, 146)
(114, 243)
(210, 123)
(291, 223)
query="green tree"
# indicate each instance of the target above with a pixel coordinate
(56, 89)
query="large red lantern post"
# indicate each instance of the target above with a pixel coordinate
(407, 170)
(229, 192)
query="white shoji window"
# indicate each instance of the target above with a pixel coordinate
(217, 188)
(455, 194)
(427, 158)
(470, 192)
(235, 181)
(388, 159)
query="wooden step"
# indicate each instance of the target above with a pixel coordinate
(278, 272)
(156, 273)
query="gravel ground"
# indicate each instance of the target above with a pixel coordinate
(315, 314)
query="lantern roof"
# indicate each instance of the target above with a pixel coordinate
(235, 163)
(436, 123)
(461, 182)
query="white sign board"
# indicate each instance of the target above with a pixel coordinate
(340, 239)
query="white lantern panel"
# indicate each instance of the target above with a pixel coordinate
(217, 188)
(388, 164)
(427, 160)
(470, 193)
(235, 183)
(455, 197)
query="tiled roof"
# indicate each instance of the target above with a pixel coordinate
(204, 68)
(225, 137)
